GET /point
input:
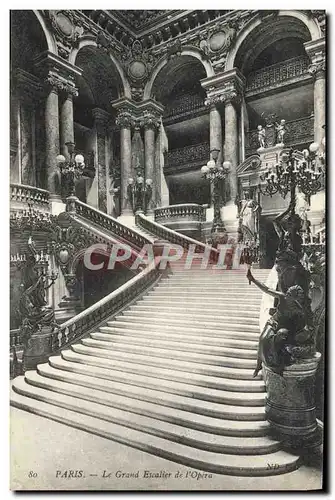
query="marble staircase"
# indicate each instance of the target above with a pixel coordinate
(171, 375)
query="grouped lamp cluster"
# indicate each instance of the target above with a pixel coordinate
(72, 169)
(295, 169)
(214, 174)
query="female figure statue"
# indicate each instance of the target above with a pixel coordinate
(249, 213)
(287, 335)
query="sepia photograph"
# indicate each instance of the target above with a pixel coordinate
(167, 250)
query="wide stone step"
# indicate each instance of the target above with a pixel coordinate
(206, 310)
(66, 410)
(213, 382)
(175, 344)
(146, 423)
(228, 332)
(190, 315)
(149, 359)
(192, 299)
(162, 385)
(184, 321)
(236, 298)
(191, 420)
(163, 352)
(204, 286)
(120, 395)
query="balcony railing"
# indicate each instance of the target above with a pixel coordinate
(23, 195)
(274, 76)
(183, 106)
(299, 131)
(194, 155)
(186, 211)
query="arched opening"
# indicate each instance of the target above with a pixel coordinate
(95, 137)
(27, 134)
(273, 60)
(186, 123)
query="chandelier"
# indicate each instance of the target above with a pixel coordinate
(72, 169)
(302, 169)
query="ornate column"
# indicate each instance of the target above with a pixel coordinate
(316, 51)
(215, 131)
(66, 119)
(59, 77)
(151, 122)
(52, 138)
(125, 120)
(231, 149)
(226, 89)
(101, 119)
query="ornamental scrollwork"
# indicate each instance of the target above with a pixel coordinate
(138, 64)
(66, 28)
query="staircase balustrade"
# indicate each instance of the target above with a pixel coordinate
(174, 237)
(189, 211)
(29, 195)
(107, 307)
(74, 206)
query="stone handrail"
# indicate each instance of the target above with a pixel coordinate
(277, 74)
(105, 308)
(29, 194)
(188, 211)
(104, 221)
(167, 234)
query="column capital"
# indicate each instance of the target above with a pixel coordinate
(316, 50)
(138, 114)
(224, 87)
(58, 74)
(55, 83)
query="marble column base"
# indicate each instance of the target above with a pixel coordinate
(290, 404)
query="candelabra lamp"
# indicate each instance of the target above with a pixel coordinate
(139, 192)
(215, 174)
(296, 169)
(72, 169)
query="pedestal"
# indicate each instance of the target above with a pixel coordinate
(290, 404)
(39, 348)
